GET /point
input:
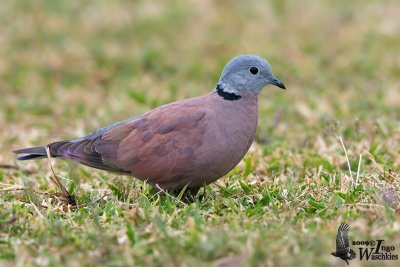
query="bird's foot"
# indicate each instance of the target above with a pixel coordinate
(188, 196)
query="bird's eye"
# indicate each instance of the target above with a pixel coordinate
(254, 70)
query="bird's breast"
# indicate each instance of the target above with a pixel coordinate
(229, 135)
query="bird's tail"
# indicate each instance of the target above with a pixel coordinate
(38, 151)
(31, 153)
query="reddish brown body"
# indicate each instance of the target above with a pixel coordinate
(192, 142)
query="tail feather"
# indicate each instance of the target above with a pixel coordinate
(34, 152)
(83, 151)
(30, 156)
(31, 153)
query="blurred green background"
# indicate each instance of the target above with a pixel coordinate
(70, 67)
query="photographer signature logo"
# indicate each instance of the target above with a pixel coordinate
(343, 249)
(371, 250)
(376, 250)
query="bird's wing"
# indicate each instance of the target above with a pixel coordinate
(109, 127)
(83, 151)
(156, 146)
(342, 237)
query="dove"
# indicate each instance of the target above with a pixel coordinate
(184, 144)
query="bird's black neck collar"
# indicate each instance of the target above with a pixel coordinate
(226, 95)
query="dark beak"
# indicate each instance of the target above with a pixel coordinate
(277, 82)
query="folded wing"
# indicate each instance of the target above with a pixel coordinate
(158, 146)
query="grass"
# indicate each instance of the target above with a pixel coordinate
(68, 68)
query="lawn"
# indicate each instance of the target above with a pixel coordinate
(326, 150)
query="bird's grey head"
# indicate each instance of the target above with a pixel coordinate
(246, 73)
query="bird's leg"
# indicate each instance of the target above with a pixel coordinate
(188, 195)
(347, 261)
